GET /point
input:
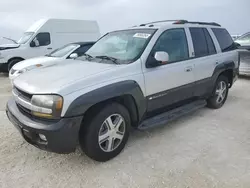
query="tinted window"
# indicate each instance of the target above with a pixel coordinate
(42, 39)
(199, 42)
(224, 39)
(210, 43)
(81, 50)
(173, 42)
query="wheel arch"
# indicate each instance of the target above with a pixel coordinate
(227, 69)
(17, 57)
(128, 93)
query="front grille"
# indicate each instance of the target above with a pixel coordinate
(22, 94)
(24, 110)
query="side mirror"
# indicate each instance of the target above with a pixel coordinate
(157, 59)
(237, 45)
(163, 57)
(34, 43)
(73, 56)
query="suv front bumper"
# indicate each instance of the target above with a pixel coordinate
(61, 136)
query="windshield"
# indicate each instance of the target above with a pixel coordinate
(26, 36)
(125, 46)
(244, 39)
(60, 52)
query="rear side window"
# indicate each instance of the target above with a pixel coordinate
(224, 39)
(210, 43)
(199, 42)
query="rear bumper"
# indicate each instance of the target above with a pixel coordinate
(61, 136)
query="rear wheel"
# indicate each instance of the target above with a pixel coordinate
(12, 63)
(220, 93)
(104, 136)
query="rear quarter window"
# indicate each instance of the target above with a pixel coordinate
(225, 40)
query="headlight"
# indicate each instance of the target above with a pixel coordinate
(47, 106)
(22, 71)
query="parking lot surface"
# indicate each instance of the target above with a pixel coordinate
(209, 148)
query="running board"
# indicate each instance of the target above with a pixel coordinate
(166, 117)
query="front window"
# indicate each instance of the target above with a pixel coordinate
(26, 36)
(125, 46)
(174, 42)
(60, 52)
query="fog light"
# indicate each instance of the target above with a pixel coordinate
(42, 137)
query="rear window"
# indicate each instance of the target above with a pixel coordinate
(224, 39)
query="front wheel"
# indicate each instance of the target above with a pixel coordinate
(220, 93)
(105, 135)
(12, 63)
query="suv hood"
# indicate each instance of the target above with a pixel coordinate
(8, 46)
(31, 63)
(53, 77)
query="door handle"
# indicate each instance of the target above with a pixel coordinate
(188, 69)
(49, 48)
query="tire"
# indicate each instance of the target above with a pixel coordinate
(220, 93)
(12, 63)
(98, 138)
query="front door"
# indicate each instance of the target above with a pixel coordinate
(41, 44)
(173, 81)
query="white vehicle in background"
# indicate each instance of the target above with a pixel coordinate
(69, 51)
(44, 36)
(234, 37)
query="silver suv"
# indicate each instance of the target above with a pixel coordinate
(140, 77)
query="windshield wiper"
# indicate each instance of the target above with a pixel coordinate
(108, 58)
(88, 56)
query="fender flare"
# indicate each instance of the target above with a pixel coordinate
(15, 58)
(130, 87)
(227, 65)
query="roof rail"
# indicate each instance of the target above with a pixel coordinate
(161, 21)
(201, 23)
(181, 22)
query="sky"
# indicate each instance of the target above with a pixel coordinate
(17, 15)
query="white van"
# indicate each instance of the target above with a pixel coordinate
(45, 36)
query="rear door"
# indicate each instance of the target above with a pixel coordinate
(204, 57)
